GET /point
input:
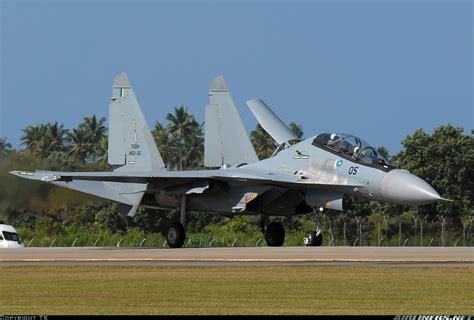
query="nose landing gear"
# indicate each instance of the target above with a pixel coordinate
(315, 238)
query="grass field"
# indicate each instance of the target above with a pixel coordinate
(236, 290)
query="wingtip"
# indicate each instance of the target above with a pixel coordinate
(122, 81)
(23, 174)
(218, 84)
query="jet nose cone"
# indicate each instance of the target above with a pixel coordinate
(402, 187)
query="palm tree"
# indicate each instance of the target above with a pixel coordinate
(262, 142)
(162, 140)
(297, 129)
(182, 123)
(32, 135)
(55, 136)
(101, 151)
(5, 147)
(34, 139)
(95, 128)
(94, 132)
(183, 129)
(194, 150)
(80, 148)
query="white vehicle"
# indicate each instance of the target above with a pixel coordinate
(9, 238)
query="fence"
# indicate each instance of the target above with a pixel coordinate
(376, 230)
(384, 230)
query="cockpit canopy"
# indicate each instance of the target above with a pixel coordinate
(350, 146)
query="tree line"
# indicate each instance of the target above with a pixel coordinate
(444, 158)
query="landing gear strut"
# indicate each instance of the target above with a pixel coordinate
(314, 238)
(274, 232)
(176, 234)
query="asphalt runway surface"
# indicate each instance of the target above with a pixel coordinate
(243, 256)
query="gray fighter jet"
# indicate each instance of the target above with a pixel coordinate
(301, 177)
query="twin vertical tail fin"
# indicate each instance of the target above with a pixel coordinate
(131, 148)
(225, 139)
(131, 145)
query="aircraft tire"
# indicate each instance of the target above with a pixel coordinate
(275, 234)
(175, 235)
(313, 239)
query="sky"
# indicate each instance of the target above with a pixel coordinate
(376, 69)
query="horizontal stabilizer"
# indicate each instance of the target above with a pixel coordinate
(127, 195)
(270, 122)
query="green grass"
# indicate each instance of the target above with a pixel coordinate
(236, 290)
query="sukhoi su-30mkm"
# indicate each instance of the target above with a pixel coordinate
(301, 177)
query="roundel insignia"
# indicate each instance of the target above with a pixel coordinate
(339, 163)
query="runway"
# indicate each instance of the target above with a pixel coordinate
(255, 256)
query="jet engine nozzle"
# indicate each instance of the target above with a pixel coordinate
(402, 187)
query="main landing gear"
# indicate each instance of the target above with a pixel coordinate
(176, 234)
(314, 238)
(274, 232)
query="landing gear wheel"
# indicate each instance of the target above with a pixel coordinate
(313, 238)
(275, 234)
(175, 235)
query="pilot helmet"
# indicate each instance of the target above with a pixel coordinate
(333, 136)
(356, 150)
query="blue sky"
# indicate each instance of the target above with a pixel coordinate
(377, 69)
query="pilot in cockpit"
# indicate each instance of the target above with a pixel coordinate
(334, 140)
(356, 152)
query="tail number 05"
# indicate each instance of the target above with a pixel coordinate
(353, 170)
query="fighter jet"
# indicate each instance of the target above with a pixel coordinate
(301, 177)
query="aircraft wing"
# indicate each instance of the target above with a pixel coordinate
(290, 180)
(129, 188)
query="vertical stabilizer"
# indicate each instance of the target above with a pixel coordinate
(131, 145)
(225, 138)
